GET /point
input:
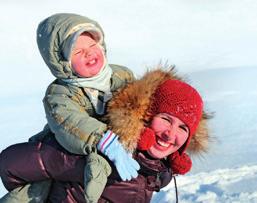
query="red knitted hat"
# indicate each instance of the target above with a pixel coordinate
(181, 100)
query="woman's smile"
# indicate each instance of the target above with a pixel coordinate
(162, 143)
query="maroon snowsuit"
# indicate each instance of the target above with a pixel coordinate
(36, 161)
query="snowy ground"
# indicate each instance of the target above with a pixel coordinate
(237, 185)
(213, 42)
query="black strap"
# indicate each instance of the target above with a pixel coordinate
(176, 189)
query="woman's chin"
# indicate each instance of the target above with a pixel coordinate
(159, 152)
(156, 153)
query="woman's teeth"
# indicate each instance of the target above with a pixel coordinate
(162, 143)
(92, 62)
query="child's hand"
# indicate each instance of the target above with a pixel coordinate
(180, 164)
(147, 139)
(126, 166)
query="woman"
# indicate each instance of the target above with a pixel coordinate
(158, 118)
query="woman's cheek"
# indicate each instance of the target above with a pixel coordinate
(158, 126)
(154, 125)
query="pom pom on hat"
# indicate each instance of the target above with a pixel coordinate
(179, 99)
(147, 139)
(180, 164)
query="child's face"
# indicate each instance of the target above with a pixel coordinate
(171, 133)
(87, 57)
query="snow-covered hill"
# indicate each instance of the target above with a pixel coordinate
(232, 95)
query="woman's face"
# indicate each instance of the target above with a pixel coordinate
(87, 57)
(171, 133)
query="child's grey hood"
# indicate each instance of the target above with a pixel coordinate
(51, 35)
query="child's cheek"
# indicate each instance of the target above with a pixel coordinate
(99, 50)
(100, 54)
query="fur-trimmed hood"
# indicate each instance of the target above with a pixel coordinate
(128, 111)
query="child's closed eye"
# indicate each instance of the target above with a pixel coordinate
(77, 51)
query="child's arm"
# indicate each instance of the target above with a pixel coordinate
(69, 120)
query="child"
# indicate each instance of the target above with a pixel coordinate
(73, 48)
(165, 118)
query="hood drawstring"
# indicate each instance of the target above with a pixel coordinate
(176, 189)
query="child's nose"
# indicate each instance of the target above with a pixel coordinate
(89, 54)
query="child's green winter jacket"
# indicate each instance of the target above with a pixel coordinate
(69, 111)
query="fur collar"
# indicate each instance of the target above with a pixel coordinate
(127, 111)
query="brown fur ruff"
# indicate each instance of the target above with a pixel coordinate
(128, 111)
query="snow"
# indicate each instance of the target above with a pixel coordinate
(212, 43)
(222, 185)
